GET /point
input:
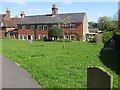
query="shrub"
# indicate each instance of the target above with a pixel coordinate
(106, 36)
(56, 32)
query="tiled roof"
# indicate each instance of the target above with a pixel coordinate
(15, 21)
(11, 23)
(48, 19)
(8, 23)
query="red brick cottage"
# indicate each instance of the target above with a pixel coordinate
(36, 27)
(8, 25)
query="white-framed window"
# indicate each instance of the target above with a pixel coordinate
(25, 37)
(32, 27)
(72, 36)
(20, 37)
(66, 36)
(23, 27)
(45, 27)
(39, 27)
(40, 37)
(72, 26)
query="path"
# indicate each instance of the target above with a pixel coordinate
(15, 77)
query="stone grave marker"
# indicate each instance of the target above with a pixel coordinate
(98, 78)
(112, 43)
(98, 38)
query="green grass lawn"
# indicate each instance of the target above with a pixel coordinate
(56, 67)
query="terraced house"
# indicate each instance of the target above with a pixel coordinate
(75, 25)
(8, 25)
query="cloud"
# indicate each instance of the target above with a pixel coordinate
(35, 11)
(68, 2)
(20, 2)
(39, 9)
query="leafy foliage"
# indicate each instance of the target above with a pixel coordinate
(106, 36)
(56, 32)
(92, 25)
(107, 23)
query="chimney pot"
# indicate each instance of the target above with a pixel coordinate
(54, 9)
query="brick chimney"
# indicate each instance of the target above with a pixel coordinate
(22, 14)
(7, 16)
(54, 9)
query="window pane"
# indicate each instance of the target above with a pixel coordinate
(72, 37)
(45, 27)
(25, 37)
(66, 36)
(32, 27)
(39, 27)
(20, 36)
(23, 27)
(72, 27)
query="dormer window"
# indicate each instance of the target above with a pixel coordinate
(72, 26)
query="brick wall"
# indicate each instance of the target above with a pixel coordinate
(78, 32)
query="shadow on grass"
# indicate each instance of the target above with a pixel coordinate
(111, 57)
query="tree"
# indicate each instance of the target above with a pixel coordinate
(115, 16)
(56, 32)
(106, 23)
(92, 24)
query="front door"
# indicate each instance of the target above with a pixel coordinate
(29, 37)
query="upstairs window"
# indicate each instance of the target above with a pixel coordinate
(72, 26)
(45, 27)
(23, 27)
(39, 27)
(32, 27)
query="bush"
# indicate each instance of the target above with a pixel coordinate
(73, 39)
(117, 31)
(106, 36)
(56, 32)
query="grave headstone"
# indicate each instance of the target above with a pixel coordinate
(30, 42)
(98, 78)
(98, 38)
(112, 43)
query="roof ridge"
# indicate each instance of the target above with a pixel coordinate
(57, 14)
